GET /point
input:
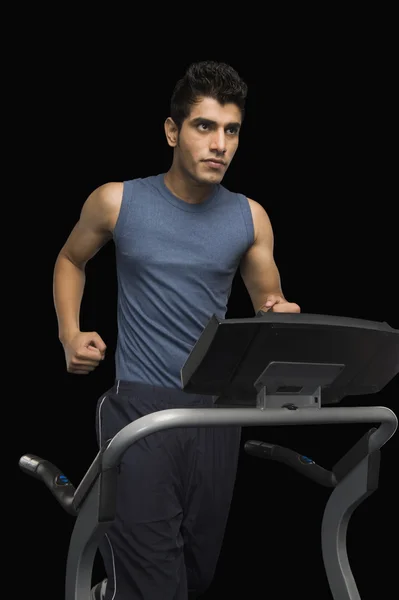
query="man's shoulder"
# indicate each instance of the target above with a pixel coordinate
(144, 179)
(260, 217)
(257, 209)
(252, 203)
(141, 183)
(113, 190)
(108, 194)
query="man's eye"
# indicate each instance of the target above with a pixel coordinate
(203, 126)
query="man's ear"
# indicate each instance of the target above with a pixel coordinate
(171, 132)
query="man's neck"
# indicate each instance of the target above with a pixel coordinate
(187, 189)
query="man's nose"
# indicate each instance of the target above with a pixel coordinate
(218, 142)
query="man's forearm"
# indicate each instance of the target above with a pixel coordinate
(68, 286)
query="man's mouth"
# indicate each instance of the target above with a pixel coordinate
(215, 163)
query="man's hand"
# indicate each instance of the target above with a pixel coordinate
(84, 352)
(276, 303)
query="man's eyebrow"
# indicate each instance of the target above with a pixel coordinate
(199, 120)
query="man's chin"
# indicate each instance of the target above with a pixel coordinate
(210, 178)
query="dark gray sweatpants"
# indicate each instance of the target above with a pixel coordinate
(174, 493)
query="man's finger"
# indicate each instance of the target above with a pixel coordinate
(286, 307)
(92, 356)
(93, 351)
(98, 343)
(85, 362)
(271, 301)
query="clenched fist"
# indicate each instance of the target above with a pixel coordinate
(84, 352)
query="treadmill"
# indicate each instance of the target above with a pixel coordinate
(270, 369)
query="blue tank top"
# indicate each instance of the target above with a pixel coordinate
(175, 266)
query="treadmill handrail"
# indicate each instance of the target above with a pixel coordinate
(303, 318)
(199, 417)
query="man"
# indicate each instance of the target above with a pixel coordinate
(180, 237)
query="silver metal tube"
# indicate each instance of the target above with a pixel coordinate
(218, 417)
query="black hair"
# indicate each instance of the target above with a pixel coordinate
(210, 79)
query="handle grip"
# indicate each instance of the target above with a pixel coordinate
(58, 484)
(302, 464)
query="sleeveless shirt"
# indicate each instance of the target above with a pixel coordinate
(175, 264)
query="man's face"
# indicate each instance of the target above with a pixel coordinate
(208, 140)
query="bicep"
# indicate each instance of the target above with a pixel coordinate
(94, 228)
(83, 243)
(258, 268)
(259, 271)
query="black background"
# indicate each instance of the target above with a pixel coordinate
(316, 151)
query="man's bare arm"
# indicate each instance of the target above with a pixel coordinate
(92, 231)
(259, 270)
